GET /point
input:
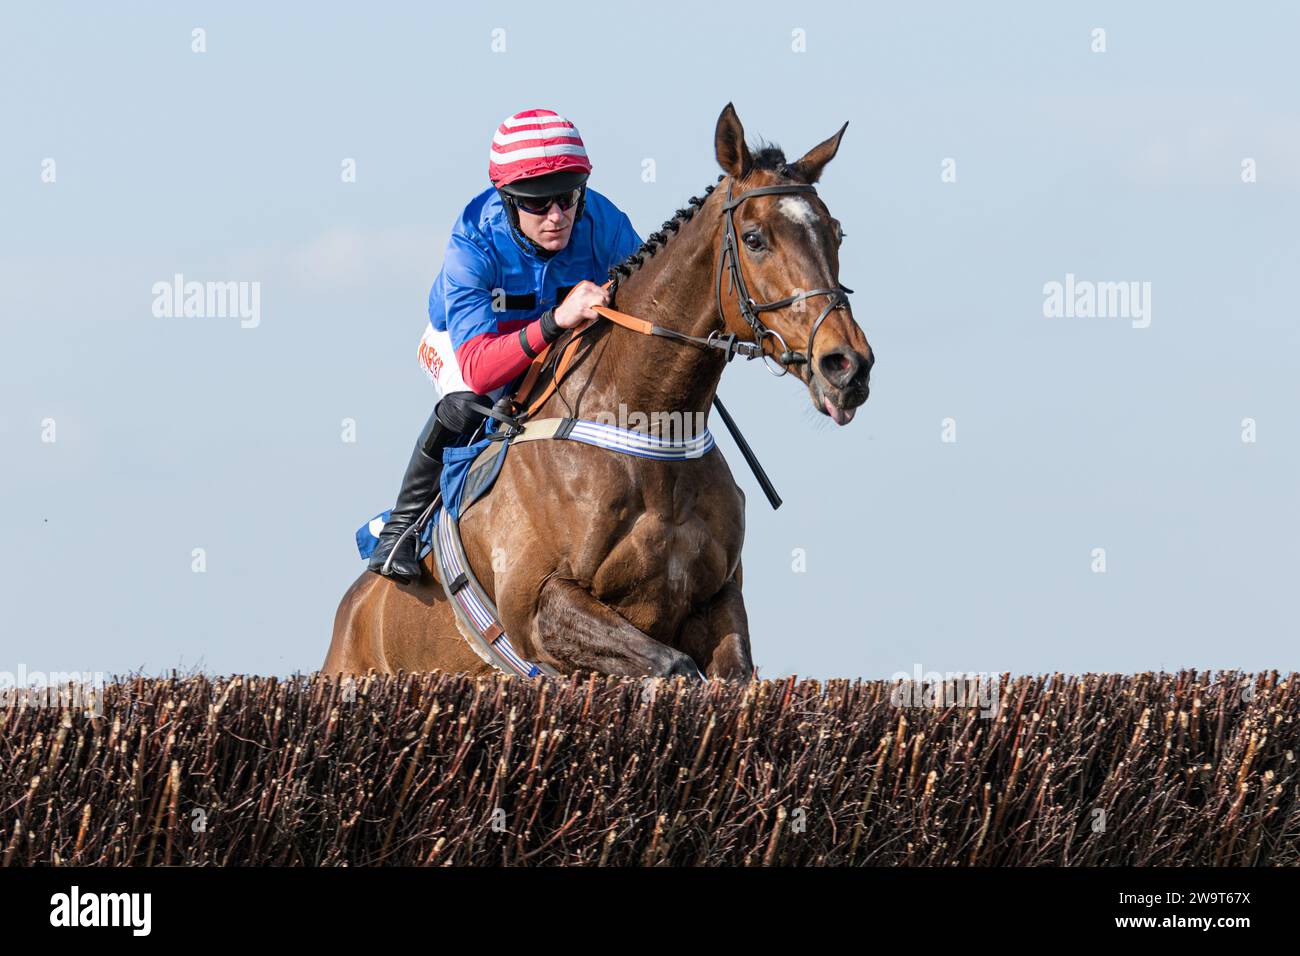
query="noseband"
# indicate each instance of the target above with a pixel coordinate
(749, 309)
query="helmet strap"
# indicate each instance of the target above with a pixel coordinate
(521, 240)
(516, 233)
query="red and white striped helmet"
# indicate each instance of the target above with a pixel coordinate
(535, 143)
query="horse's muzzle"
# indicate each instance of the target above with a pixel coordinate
(840, 384)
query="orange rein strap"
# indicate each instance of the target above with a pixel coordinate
(727, 343)
(625, 320)
(566, 359)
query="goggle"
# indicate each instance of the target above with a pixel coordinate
(541, 205)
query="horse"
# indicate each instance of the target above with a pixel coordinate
(630, 566)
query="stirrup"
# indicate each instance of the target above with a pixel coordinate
(385, 570)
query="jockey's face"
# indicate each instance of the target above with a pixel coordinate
(550, 231)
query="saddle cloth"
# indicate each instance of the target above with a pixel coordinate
(463, 481)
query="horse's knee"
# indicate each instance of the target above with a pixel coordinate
(674, 663)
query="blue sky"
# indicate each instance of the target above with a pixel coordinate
(1072, 433)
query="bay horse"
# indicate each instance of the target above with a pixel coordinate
(632, 566)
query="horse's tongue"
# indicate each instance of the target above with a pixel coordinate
(841, 416)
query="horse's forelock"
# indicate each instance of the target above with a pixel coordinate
(769, 157)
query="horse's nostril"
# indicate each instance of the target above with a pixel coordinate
(839, 367)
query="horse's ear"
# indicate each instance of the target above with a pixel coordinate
(729, 141)
(809, 166)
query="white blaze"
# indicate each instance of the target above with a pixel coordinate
(797, 209)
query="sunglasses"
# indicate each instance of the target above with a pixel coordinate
(541, 205)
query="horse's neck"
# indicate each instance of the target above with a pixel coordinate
(626, 372)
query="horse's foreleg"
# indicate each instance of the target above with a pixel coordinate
(718, 637)
(581, 633)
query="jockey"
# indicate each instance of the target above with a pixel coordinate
(515, 275)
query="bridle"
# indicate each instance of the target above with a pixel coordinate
(749, 309)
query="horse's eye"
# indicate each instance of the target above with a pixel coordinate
(754, 241)
(839, 231)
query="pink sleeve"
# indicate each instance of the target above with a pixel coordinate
(491, 359)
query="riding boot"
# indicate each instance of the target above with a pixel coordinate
(419, 485)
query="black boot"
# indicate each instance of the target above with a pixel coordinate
(419, 485)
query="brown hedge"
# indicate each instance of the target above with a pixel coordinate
(1153, 769)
